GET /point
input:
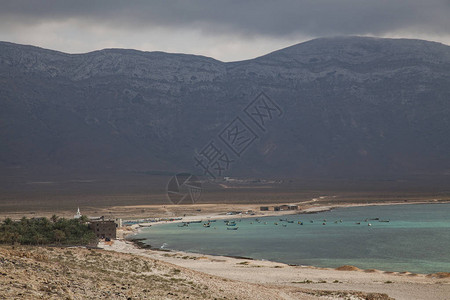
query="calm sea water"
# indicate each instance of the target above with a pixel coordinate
(416, 238)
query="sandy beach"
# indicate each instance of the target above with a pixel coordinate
(403, 285)
(398, 285)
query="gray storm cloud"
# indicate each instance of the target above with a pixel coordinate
(226, 30)
(264, 18)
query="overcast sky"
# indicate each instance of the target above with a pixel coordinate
(225, 30)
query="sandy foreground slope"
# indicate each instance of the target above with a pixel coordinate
(78, 273)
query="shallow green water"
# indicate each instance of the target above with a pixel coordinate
(416, 238)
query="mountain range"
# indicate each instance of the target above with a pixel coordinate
(342, 107)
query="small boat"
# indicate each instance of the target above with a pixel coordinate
(324, 220)
(275, 223)
(300, 222)
(369, 224)
(234, 228)
(375, 219)
(284, 225)
(324, 223)
(385, 221)
(335, 222)
(195, 222)
(206, 225)
(290, 221)
(340, 221)
(145, 225)
(231, 224)
(358, 223)
(311, 221)
(366, 220)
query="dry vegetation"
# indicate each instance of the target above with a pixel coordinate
(78, 273)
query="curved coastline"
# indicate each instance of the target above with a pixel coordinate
(309, 210)
(317, 281)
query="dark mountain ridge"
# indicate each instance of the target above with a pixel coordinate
(353, 107)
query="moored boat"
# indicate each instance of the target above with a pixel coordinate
(232, 228)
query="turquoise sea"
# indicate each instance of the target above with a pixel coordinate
(416, 238)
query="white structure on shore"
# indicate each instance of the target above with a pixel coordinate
(78, 215)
